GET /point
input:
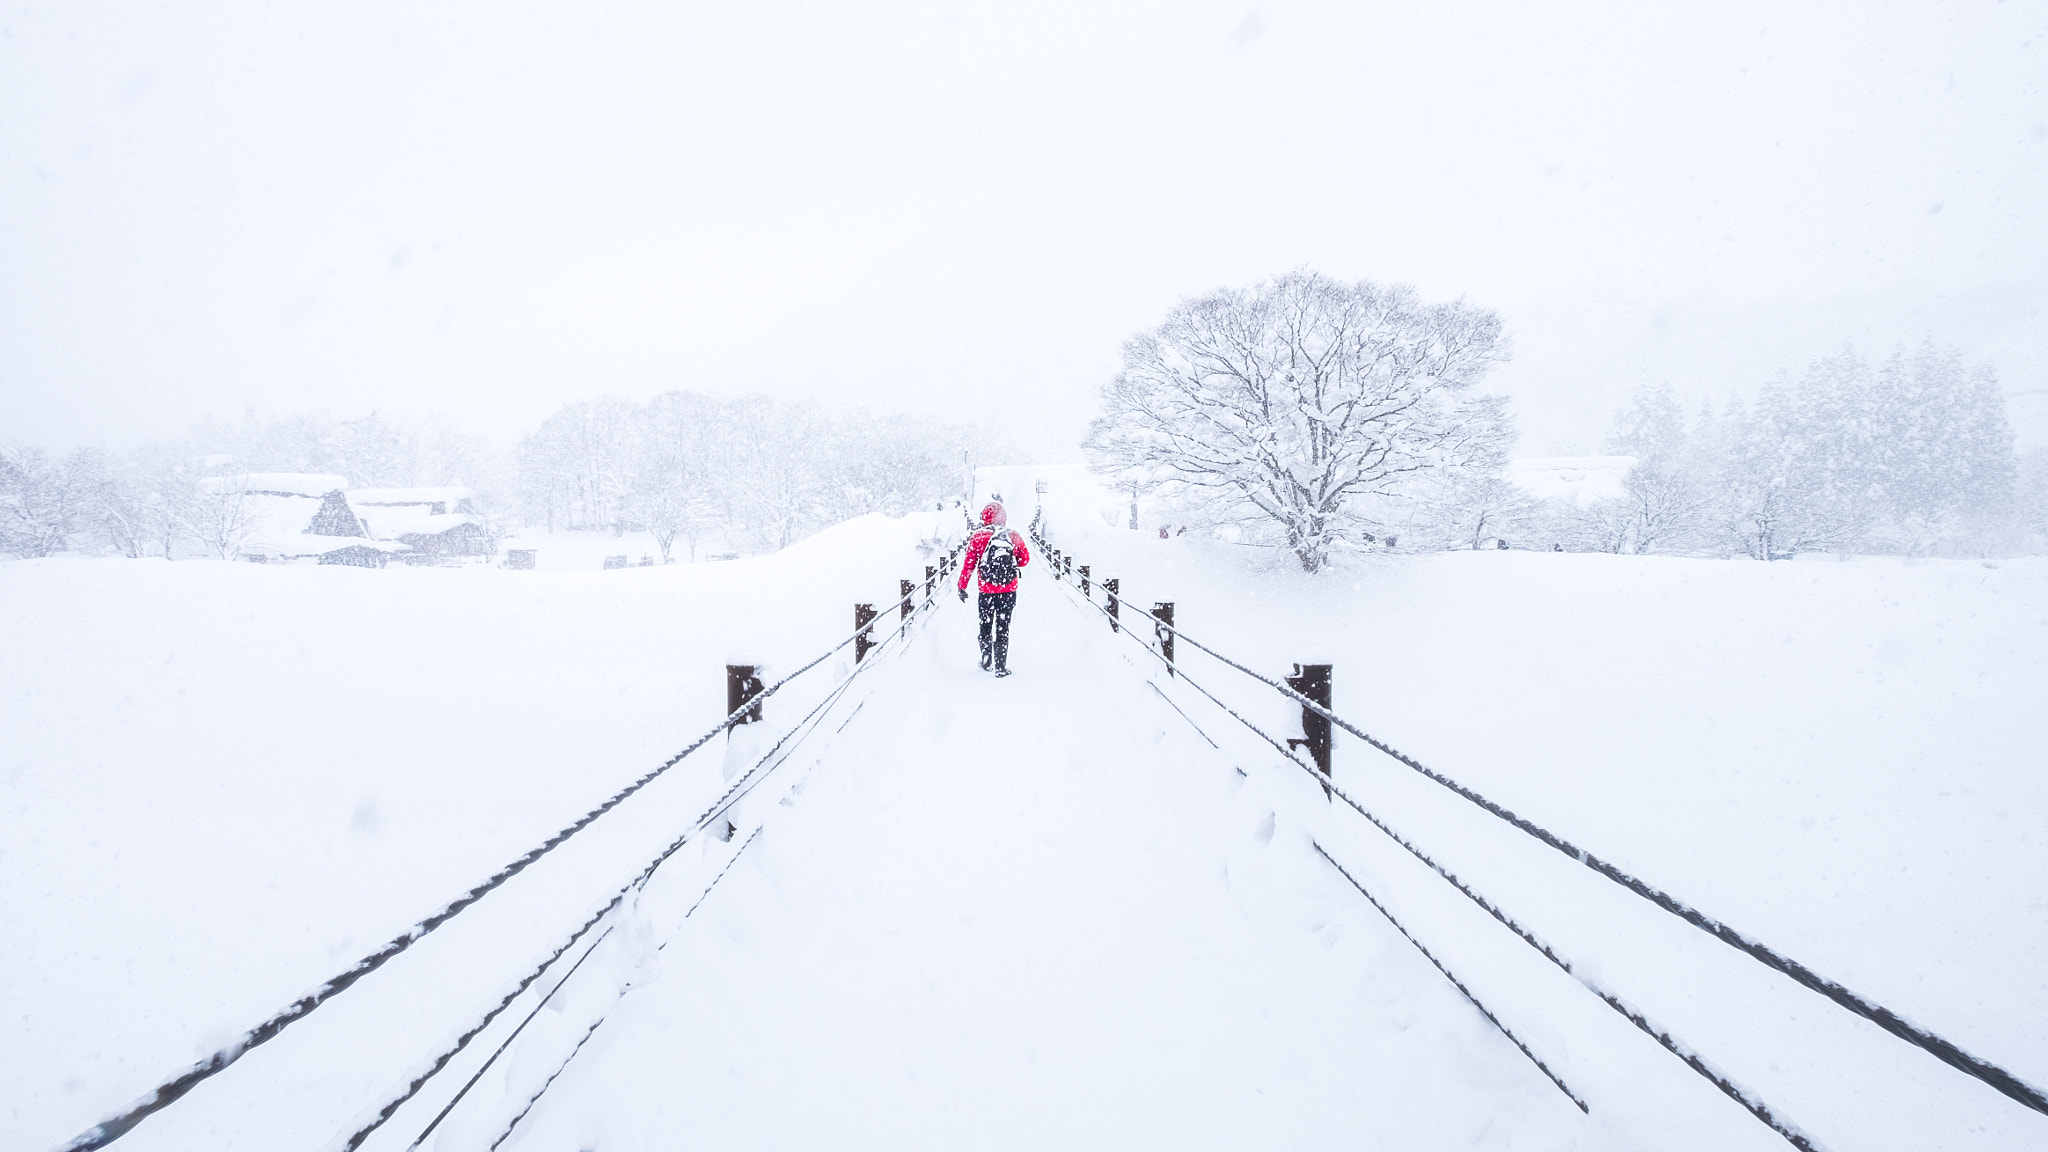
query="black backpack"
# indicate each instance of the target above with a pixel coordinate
(998, 561)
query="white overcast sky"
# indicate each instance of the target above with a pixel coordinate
(486, 209)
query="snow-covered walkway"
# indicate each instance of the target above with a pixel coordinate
(986, 922)
(1043, 911)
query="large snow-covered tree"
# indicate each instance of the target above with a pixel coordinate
(1289, 403)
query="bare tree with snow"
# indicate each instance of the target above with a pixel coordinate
(220, 517)
(672, 488)
(574, 467)
(44, 502)
(1287, 402)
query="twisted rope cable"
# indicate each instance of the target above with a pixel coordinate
(1455, 982)
(441, 1061)
(173, 1089)
(1699, 1064)
(640, 882)
(742, 786)
(564, 1066)
(2004, 1081)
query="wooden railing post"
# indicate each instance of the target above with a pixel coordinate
(863, 628)
(1084, 581)
(741, 685)
(1313, 681)
(1162, 627)
(931, 581)
(1109, 588)
(905, 589)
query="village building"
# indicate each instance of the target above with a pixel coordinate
(432, 523)
(297, 516)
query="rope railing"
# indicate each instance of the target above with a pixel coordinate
(697, 828)
(1448, 975)
(556, 1074)
(2004, 1081)
(1747, 1098)
(175, 1088)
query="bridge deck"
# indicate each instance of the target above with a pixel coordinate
(1027, 913)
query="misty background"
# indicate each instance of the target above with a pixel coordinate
(487, 211)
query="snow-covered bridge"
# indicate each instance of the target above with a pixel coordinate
(1082, 907)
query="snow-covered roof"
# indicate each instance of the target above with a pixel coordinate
(375, 496)
(391, 521)
(314, 484)
(1578, 479)
(280, 527)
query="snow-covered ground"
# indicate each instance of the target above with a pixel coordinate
(1046, 911)
(567, 551)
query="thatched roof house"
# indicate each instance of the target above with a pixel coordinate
(431, 522)
(296, 516)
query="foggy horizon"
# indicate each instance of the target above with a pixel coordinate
(965, 213)
(933, 575)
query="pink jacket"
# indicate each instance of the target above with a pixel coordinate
(993, 520)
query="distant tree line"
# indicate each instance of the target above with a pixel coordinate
(1314, 416)
(1303, 414)
(1912, 456)
(683, 466)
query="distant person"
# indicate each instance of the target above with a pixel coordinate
(999, 556)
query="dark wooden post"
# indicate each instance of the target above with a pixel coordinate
(906, 589)
(741, 685)
(1084, 580)
(1162, 627)
(1109, 587)
(863, 628)
(1313, 681)
(931, 581)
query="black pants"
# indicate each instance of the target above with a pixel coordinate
(995, 608)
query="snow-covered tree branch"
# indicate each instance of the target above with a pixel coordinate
(1288, 403)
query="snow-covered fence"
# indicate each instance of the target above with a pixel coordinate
(1316, 704)
(863, 628)
(1313, 682)
(1162, 631)
(745, 697)
(742, 688)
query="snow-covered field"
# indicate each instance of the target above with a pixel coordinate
(1031, 913)
(567, 551)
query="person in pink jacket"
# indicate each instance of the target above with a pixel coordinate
(999, 556)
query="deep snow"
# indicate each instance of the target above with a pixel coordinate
(1041, 911)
